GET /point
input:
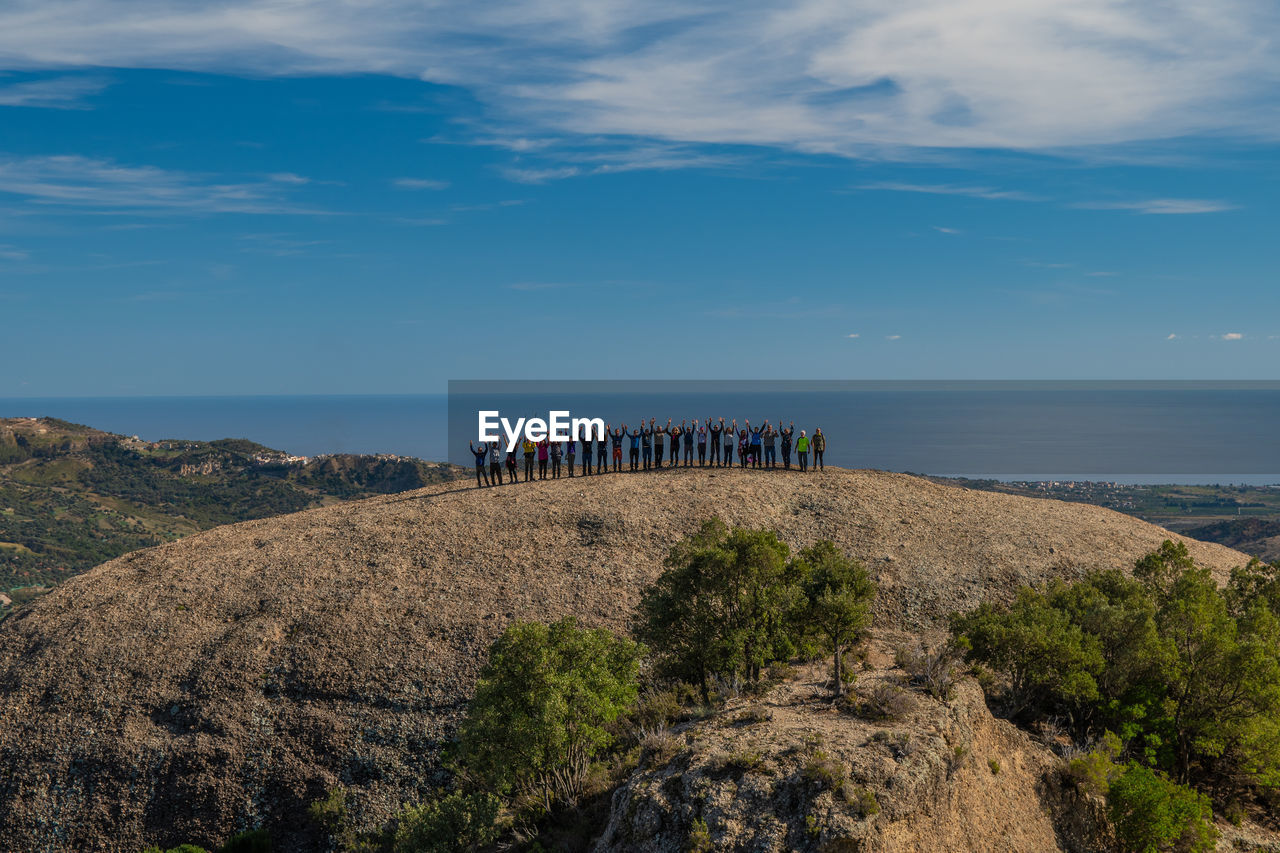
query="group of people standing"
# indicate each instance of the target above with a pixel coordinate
(711, 443)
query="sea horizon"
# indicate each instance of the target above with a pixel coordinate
(1012, 431)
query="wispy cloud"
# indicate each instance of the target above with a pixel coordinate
(420, 184)
(1161, 206)
(540, 176)
(854, 335)
(59, 93)
(876, 77)
(942, 230)
(893, 337)
(1172, 337)
(539, 285)
(1233, 336)
(104, 185)
(289, 178)
(12, 253)
(990, 193)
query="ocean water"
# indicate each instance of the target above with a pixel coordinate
(1123, 432)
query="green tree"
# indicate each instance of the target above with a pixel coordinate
(722, 606)
(1152, 814)
(543, 706)
(838, 595)
(1051, 662)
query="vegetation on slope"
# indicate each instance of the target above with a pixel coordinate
(72, 497)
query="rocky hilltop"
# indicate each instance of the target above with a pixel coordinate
(228, 679)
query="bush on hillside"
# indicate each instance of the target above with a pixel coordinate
(1152, 814)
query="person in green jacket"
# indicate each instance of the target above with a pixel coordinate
(802, 450)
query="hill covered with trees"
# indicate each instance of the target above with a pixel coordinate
(72, 497)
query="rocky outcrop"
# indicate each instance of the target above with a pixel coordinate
(793, 771)
(195, 689)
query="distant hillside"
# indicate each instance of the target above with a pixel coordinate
(72, 496)
(185, 692)
(1257, 536)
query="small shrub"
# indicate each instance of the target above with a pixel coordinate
(699, 840)
(933, 670)
(450, 823)
(1093, 772)
(824, 771)
(884, 701)
(660, 745)
(253, 841)
(331, 811)
(743, 761)
(864, 800)
(754, 714)
(994, 765)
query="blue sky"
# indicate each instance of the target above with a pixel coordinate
(327, 197)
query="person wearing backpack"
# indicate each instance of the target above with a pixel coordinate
(819, 445)
(481, 453)
(802, 450)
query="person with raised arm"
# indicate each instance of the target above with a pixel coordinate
(529, 449)
(511, 467)
(481, 453)
(675, 432)
(586, 450)
(819, 446)
(769, 436)
(616, 436)
(570, 451)
(688, 443)
(635, 435)
(557, 453)
(802, 450)
(757, 444)
(702, 446)
(544, 455)
(730, 438)
(744, 447)
(495, 462)
(658, 433)
(602, 453)
(646, 443)
(786, 443)
(716, 430)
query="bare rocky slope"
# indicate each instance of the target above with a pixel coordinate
(228, 679)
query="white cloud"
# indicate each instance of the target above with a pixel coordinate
(893, 337)
(541, 176)
(289, 178)
(59, 93)
(1233, 336)
(12, 253)
(991, 193)
(850, 78)
(943, 230)
(1172, 337)
(1101, 274)
(854, 335)
(83, 182)
(420, 184)
(1162, 206)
